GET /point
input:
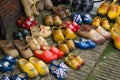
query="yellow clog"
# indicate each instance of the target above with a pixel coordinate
(96, 21)
(68, 32)
(63, 47)
(104, 7)
(56, 20)
(57, 34)
(117, 42)
(73, 63)
(114, 10)
(70, 43)
(39, 65)
(105, 23)
(28, 67)
(117, 20)
(74, 56)
(115, 30)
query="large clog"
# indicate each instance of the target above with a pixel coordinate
(39, 65)
(27, 67)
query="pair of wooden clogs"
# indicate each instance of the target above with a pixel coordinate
(32, 7)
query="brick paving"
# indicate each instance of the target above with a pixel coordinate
(109, 69)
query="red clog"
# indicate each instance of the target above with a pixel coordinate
(76, 26)
(64, 24)
(26, 22)
(57, 51)
(46, 55)
(54, 50)
(72, 25)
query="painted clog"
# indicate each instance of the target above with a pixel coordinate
(39, 65)
(27, 67)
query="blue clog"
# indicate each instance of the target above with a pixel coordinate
(6, 66)
(4, 77)
(91, 43)
(81, 44)
(58, 73)
(77, 18)
(59, 64)
(10, 59)
(84, 43)
(20, 76)
(87, 19)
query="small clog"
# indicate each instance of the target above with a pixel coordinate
(33, 43)
(70, 43)
(23, 48)
(60, 64)
(105, 24)
(69, 25)
(68, 32)
(56, 51)
(77, 18)
(96, 21)
(4, 77)
(48, 21)
(46, 55)
(87, 19)
(57, 72)
(40, 40)
(6, 66)
(39, 65)
(81, 44)
(8, 48)
(91, 43)
(74, 56)
(26, 22)
(17, 35)
(63, 47)
(57, 34)
(27, 67)
(10, 59)
(73, 63)
(74, 24)
(56, 20)
(20, 76)
(24, 32)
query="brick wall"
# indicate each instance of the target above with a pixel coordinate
(9, 12)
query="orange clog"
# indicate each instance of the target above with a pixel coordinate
(114, 10)
(96, 21)
(105, 23)
(104, 7)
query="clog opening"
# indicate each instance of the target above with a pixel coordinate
(56, 62)
(39, 52)
(22, 75)
(23, 61)
(53, 68)
(46, 47)
(34, 60)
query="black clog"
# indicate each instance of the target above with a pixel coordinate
(77, 5)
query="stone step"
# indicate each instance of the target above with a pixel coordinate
(112, 63)
(103, 77)
(110, 74)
